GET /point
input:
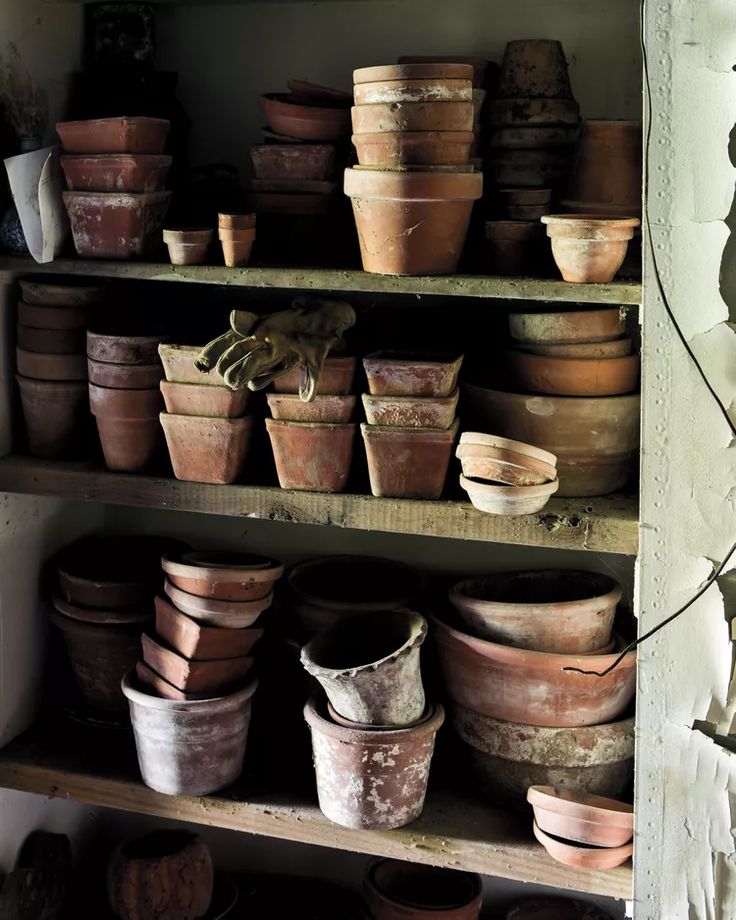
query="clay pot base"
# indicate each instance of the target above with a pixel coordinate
(496, 498)
(582, 857)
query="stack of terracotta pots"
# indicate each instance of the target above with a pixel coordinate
(313, 441)
(124, 397)
(393, 888)
(414, 189)
(533, 128)
(373, 739)
(190, 695)
(521, 656)
(116, 175)
(207, 430)
(237, 233)
(411, 425)
(52, 370)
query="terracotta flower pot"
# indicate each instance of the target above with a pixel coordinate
(122, 349)
(348, 723)
(618, 348)
(178, 362)
(293, 161)
(408, 462)
(412, 116)
(436, 89)
(114, 135)
(236, 221)
(324, 409)
(188, 247)
(395, 373)
(45, 317)
(116, 173)
(532, 687)
(435, 207)
(124, 376)
(530, 168)
(103, 616)
(522, 204)
(198, 642)
(533, 137)
(513, 501)
(392, 149)
(589, 249)
(480, 65)
(583, 857)
(397, 890)
(411, 411)
(152, 682)
(206, 449)
(56, 416)
(212, 612)
(38, 366)
(236, 246)
(514, 246)
(568, 327)
(607, 171)
(306, 122)
(66, 293)
(310, 456)
(127, 425)
(555, 610)
(524, 111)
(51, 341)
(574, 376)
(112, 225)
(502, 460)
(166, 875)
(223, 576)
(189, 748)
(100, 654)
(336, 378)
(376, 780)
(594, 438)
(555, 909)
(210, 677)
(209, 401)
(369, 667)
(508, 757)
(532, 68)
(582, 817)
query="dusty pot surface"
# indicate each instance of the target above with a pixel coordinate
(109, 402)
(237, 246)
(289, 407)
(508, 500)
(398, 890)
(196, 399)
(437, 89)
(207, 449)
(534, 67)
(197, 642)
(56, 416)
(581, 817)
(555, 909)
(123, 349)
(223, 576)
(310, 456)
(420, 70)
(51, 341)
(583, 857)
(553, 610)
(165, 874)
(395, 373)
(213, 612)
(524, 111)
(211, 677)
(505, 461)
(62, 293)
(305, 122)
(369, 667)
(392, 149)
(589, 249)
(293, 161)
(574, 376)
(614, 349)
(375, 780)
(336, 378)
(568, 327)
(188, 247)
(408, 462)
(530, 168)
(116, 225)
(114, 135)
(411, 411)
(124, 376)
(236, 221)
(179, 367)
(38, 366)
(127, 425)
(532, 687)
(412, 116)
(50, 317)
(189, 748)
(116, 173)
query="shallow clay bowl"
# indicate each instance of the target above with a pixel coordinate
(334, 410)
(503, 460)
(63, 294)
(568, 327)
(493, 498)
(616, 348)
(583, 857)
(224, 576)
(581, 817)
(102, 616)
(213, 676)
(225, 614)
(200, 643)
(574, 376)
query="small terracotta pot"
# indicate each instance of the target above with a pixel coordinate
(69, 293)
(574, 376)
(411, 411)
(188, 247)
(397, 890)
(223, 576)
(56, 416)
(524, 111)
(201, 643)
(582, 817)
(618, 348)
(165, 874)
(311, 457)
(38, 366)
(583, 857)
(51, 341)
(306, 122)
(336, 410)
(293, 161)
(369, 667)
(206, 449)
(503, 460)
(212, 612)
(589, 249)
(124, 376)
(395, 373)
(116, 173)
(508, 500)
(555, 610)
(533, 687)
(189, 748)
(49, 317)
(212, 677)
(123, 349)
(236, 246)
(412, 116)
(127, 425)
(99, 655)
(112, 225)
(555, 909)
(236, 221)
(568, 327)
(398, 92)
(534, 67)
(408, 462)
(514, 246)
(178, 362)
(209, 401)
(336, 378)
(114, 135)
(393, 149)
(376, 780)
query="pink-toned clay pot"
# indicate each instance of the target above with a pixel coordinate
(57, 417)
(224, 576)
(236, 221)
(116, 173)
(493, 498)
(393, 149)
(116, 225)
(617, 348)
(237, 246)
(179, 367)
(408, 462)
(589, 249)
(336, 378)
(310, 456)
(510, 466)
(305, 122)
(574, 376)
(412, 116)
(203, 449)
(287, 407)
(197, 642)
(410, 411)
(421, 70)
(114, 135)
(188, 247)
(209, 401)
(398, 890)
(38, 366)
(581, 817)
(395, 373)
(222, 614)
(127, 423)
(125, 376)
(583, 857)
(212, 677)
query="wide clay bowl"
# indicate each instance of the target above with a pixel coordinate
(570, 327)
(581, 817)
(583, 857)
(563, 376)
(396, 889)
(223, 576)
(227, 614)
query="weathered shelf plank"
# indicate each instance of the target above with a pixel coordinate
(608, 524)
(455, 831)
(340, 280)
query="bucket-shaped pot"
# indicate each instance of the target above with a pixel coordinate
(56, 415)
(589, 248)
(408, 462)
(369, 667)
(398, 890)
(204, 449)
(189, 747)
(412, 223)
(375, 780)
(127, 422)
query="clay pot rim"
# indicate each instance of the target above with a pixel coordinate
(98, 615)
(348, 399)
(394, 359)
(212, 607)
(431, 70)
(171, 418)
(616, 855)
(120, 199)
(100, 630)
(611, 361)
(371, 737)
(371, 882)
(95, 336)
(595, 400)
(416, 633)
(491, 489)
(58, 294)
(37, 383)
(363, 726)
(410, 137)
(154, 641)
(451, 400)
(150, 701)
(303, 112)
(381, 185)
(140, 159)
(551, 316)
(229, 220)
(253, 574)
(114, 119)
(594, 221)
(481, 439)
(513, 230)
(195, 235)
(424, 434)
(583, 805)
(282, 423)
(327, 564)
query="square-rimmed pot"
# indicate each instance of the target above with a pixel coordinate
(212, 676)
(179, 366)
(198, 642)
(206, 449)
(140, 173)
(116, 225)
(312, 457)
(408, 462)
(398, 373)
(289, 407)
(202, 399)
(410, 411)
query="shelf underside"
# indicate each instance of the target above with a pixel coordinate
(605, 525)
(454, 831)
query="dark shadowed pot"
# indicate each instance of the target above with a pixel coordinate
(397, 890)
(189, 747)
(375, 780)
(56, 415)
(555, 909)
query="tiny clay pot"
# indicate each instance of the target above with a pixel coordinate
(589, 249)
(236, 246)
(188, 247)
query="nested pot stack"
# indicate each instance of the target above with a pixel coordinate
(411, 425)
(52, 368)
(190, 691)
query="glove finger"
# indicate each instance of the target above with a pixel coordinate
(213, 351)
(242, 322)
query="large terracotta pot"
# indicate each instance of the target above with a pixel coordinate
(57, 416)
(116, 173)
(397, 890)
(594, 438)
(114, 135)
(127, 422)
(561, 375)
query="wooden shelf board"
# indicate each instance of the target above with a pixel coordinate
(454, 831)
(340, 280)
(606, 525)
